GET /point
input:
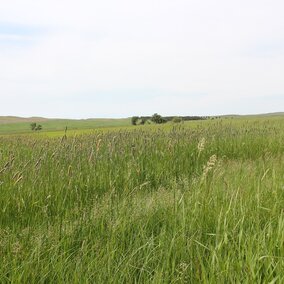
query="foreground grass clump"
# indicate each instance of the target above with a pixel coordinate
(157, 205)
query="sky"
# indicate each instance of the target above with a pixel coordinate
(82, 59)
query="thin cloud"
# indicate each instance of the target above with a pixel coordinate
(116, 58)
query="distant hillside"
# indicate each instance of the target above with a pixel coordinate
(273, 114)
(16, 119)
(9, 124)
(261, 114)
(13, 124)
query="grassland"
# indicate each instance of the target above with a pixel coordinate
(14, 125)
(198, 202)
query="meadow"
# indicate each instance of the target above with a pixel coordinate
(199, 202)
(11, 125)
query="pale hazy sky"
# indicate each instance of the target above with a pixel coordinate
(118, 58)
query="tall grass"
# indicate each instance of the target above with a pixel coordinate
(170, 204)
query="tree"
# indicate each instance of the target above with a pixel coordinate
(134, 120)
(33, 126)
(156, 118)
(39, 127)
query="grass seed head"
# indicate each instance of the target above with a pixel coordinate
(201, 145)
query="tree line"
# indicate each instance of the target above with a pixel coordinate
(158, 119)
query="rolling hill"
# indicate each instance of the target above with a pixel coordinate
(12, 124)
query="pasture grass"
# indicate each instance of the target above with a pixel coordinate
(190, 203)
(59, 125)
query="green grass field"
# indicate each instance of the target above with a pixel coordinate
(199, 202)
(19, 126)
